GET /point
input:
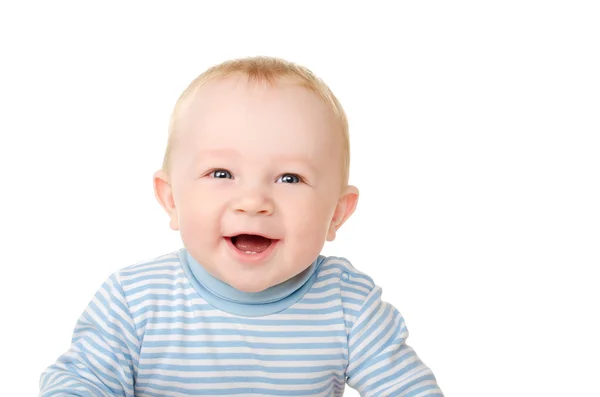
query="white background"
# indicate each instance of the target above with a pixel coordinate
(475, 143)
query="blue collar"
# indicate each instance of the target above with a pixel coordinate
(249, 304)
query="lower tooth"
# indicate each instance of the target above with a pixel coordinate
(250, 252)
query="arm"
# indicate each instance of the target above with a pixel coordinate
(102, 360)
(380, 362)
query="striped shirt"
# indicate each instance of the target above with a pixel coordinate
(162, 328)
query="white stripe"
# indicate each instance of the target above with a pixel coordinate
(250, 374)
(145, 266)
(234, 385)
(190, 292)
(407, 377)
(359, 356)
(264, 363)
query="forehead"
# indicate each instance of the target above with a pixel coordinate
(260, 119)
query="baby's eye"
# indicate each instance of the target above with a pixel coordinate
(289, 178)
(221, 174)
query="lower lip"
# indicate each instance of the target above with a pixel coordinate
(251, 258)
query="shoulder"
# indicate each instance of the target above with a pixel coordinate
(151, 276)
(354, 286)
(167, 265)
(350, 278)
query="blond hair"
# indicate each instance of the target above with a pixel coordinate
(268, 70)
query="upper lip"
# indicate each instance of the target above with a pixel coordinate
(252, 233)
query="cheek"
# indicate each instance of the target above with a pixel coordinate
(308, 216)
(306, 230)
(198, 211)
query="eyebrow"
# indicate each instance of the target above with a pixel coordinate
(217, 153)
(301, 160)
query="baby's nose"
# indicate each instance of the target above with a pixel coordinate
(254, 203)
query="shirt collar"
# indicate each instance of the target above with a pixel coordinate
(250, 304)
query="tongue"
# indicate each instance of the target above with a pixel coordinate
(250, 242)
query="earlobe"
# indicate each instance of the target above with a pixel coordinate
(344, 209)
(164, 196)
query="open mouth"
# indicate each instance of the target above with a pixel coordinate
(251, 243)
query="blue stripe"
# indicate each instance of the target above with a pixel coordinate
(84, 329)
(379, 329)
(433, 388)
(366, 307)
(393, 380)
(396, 362)
(240, 367)
(247, 321)
(235, 379)
(328, 299)
(100, 374)
(376, 327)
(146, 277)
(327, 310)
(192, 308)
(243, 356)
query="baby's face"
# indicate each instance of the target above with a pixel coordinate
(255, 179)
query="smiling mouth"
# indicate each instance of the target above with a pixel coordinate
(251, 243)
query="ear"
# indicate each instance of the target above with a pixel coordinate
(345, 207)
(164, 196)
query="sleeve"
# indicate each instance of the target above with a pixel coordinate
(102, 359)
(380, 363)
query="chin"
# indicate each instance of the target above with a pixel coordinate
(249, 286)
(251, 289)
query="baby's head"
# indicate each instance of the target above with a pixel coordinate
(255, 175)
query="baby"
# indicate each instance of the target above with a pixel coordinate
(255, 179)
